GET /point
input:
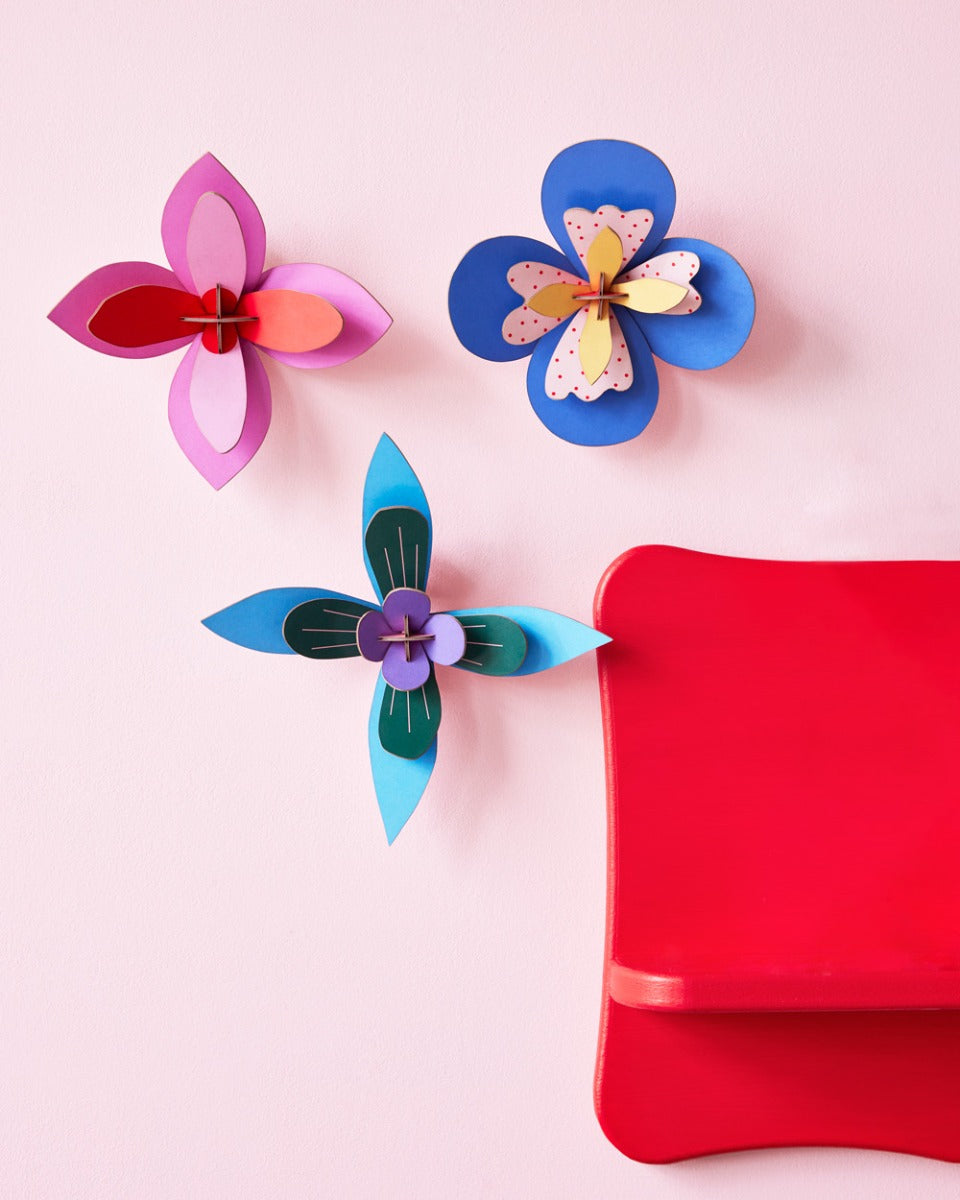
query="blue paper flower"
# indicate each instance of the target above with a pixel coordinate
(592, 317)
(401, 633)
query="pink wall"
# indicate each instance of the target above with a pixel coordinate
(216, 981)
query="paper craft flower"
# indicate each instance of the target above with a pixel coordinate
(402, 634)
(219, 302)
(591, 318)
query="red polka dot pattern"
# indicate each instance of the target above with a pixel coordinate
(565, 375)
(522, 325)
(630, 227)
(678, 267)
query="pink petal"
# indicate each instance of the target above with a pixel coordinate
(449, 639)
(521, 324)
(218, 396)
(565, 375)
(632, 228)
(364, 320)
(215, 467)
(208, 175)
(215, 250)
(678, 267)
(76, 308)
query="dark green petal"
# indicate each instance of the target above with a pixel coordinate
(409, 720)
(495, 645)
(397, 542)
(325, 628)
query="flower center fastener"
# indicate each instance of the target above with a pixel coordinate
(406, 638)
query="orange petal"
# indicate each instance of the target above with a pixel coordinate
(292, 322)
(556, 299)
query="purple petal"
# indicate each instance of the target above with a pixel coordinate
(215, 250)
(403, 675)
(209, 175)
(218, 396)
(370, 628)
(216, 468)
(364, 320)
(409, 602)
(77, 307)
(449, 640)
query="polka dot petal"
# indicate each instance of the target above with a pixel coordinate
(632, 228)
(679, 267)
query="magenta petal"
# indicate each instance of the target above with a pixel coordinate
(216, 468)
(215, 250)
(218, 396)
(403, 675)
(449, 640)
(209, 175)
(406, 602)
(364, 320)
(77, 307)
(370, 628)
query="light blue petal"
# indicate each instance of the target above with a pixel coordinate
(390, 483)
(257, 621)
(481, 296)
(590, 174)
(399, 782)
(717, 330)
(617, 416)
(551, 638)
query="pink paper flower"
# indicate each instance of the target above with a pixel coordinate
(219, 302)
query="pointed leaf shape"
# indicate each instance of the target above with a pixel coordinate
(558, 299)
(399, 782)
(257, 621)
(293, 322)
(391, 481)
(552, 639)
(218, 396)
(596, 344)
(651, 295)
(209, 175)
(146, 315)
(74, 311)
(495, 645)
(215, 467)
(365, 320)
(409, 720)
(397, 543)
(325, 628)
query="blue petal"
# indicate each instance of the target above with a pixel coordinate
(552, 639)
(590, 174)
(480, 296)
(391, 483)
(617, 416)
(717, 330)
(399, 782)
(257, 621)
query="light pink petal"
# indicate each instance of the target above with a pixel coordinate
(78, 306)
(679, 266)
(208, 175)
(521, 324)
(631, 228)
(565, 375)
(364, 320)
(218, 396)
(215, 250)
(217, 468)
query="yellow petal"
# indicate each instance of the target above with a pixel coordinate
(596, 343)
(650, 295)
(605, 256)
(556, 299)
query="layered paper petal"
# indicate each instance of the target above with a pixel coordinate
(565, 371)
(74, 311)
(215, 467)
(408, 602)
(365, 320)
(481, 296)
(288, 321)
(551, 639)
(591, 175)
(679, 267)
(218, 396)
(409, 719)
(618, 414)
(396, 542)
(493, 644)
(392, 483)
(718, 328)
(257, 622)
(399, 782)
(449, 639)
(327, 628)
(209, 175)
(215, 247)
(632, 229)
(405, 673)
(144, 316)
(548, 295)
